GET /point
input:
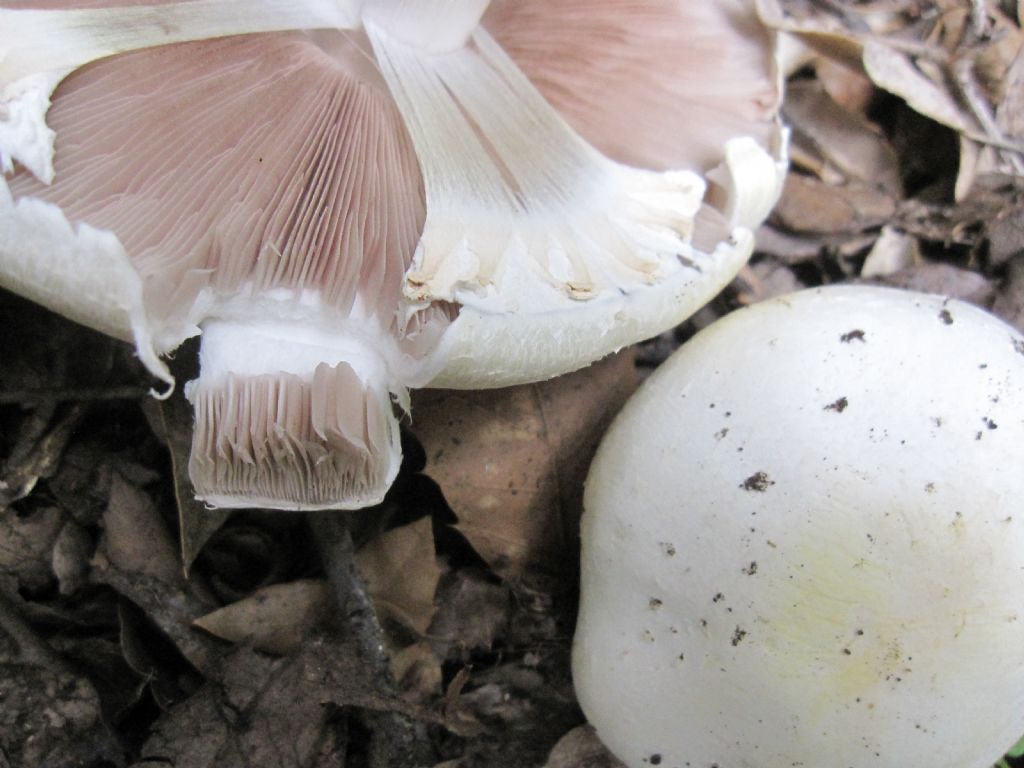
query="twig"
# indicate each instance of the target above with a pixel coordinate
(979, 18)
(337, 554)
(394, 742)
(95, 394)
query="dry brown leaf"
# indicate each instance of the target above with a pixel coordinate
(788, 247)
(845, 140)
(896, 72)
(156, 673)
(274, 619)
(812, 206)
(1008, 121)
(511, 462)
(417, 670)
(848, 86)
(892, 252)
(993, 63)
(580, 748)
(138, 559)
(1006, 235)
(822, 33)
(974, 160)
(171, 419)
(70, 557)
(765, 278)
(954, 66)
(37, 450)
(527, 713)
(804, 155)
(135, 538)
(945, 279)
(1010, 112)
(401, 572)
(964, 225)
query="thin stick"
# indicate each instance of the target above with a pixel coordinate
(394, 742)
(29, 396)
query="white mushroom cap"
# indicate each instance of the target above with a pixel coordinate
(803, 542)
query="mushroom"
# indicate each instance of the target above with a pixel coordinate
(224, 219)
(370, 196)
(803, 542)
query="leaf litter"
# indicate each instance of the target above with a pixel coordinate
(138, 628)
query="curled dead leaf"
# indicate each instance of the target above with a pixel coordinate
(274, 619)
(511, 461)
(135, 538)
(812, 206)
(401, 573)
(845, 140)
(896, 72)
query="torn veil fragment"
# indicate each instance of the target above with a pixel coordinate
(348, 200)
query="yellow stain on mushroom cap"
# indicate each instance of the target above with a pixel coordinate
(860, 596)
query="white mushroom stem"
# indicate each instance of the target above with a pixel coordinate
(289, 411)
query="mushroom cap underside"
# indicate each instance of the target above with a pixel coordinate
(176, 172)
